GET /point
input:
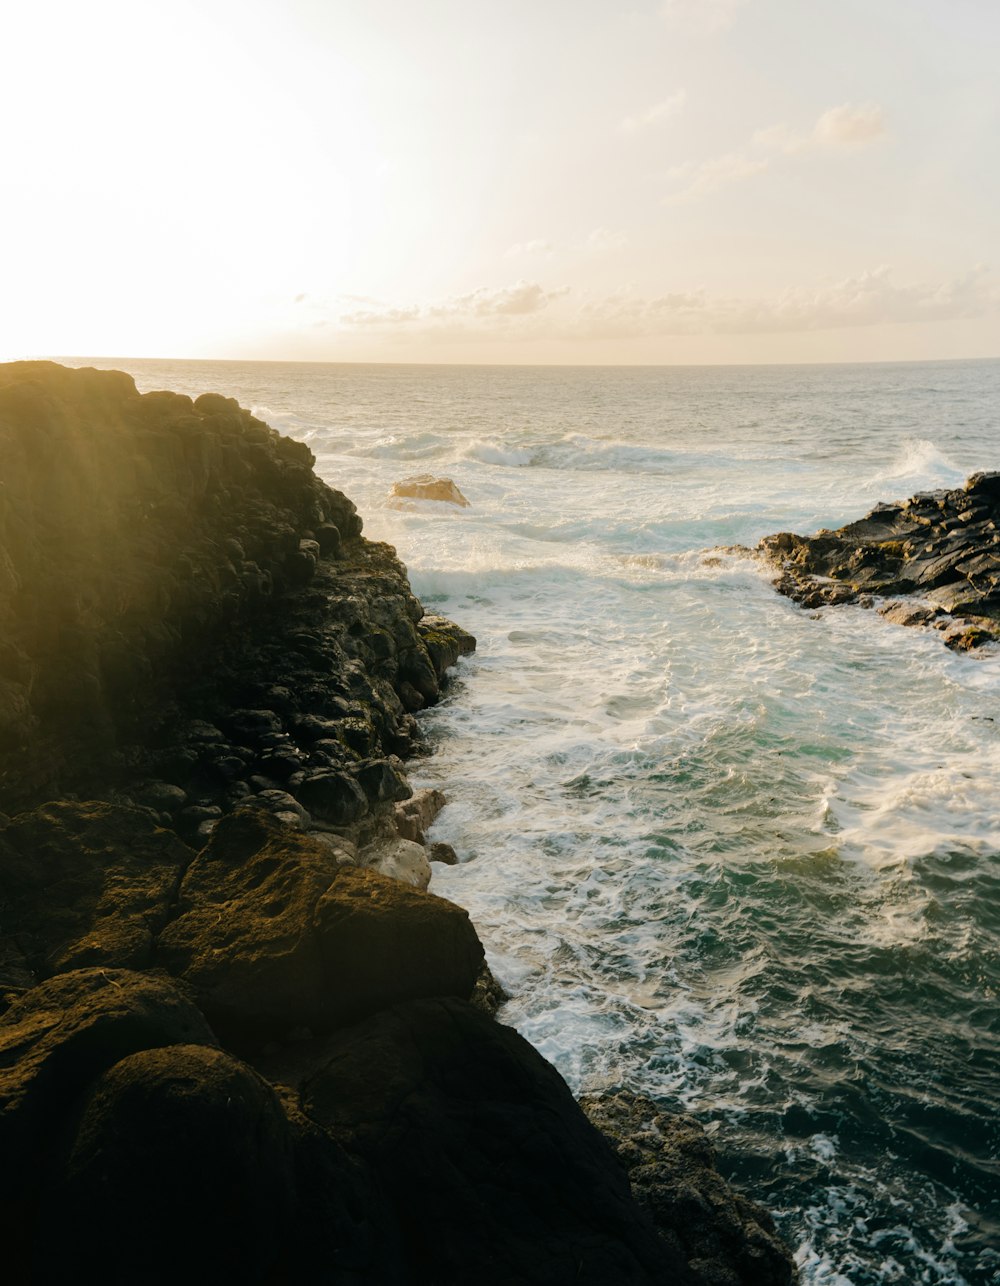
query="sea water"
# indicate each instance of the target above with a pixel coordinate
(738, 856)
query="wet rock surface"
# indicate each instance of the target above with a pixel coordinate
(725, 1239)
(211, 857)
(932, 560)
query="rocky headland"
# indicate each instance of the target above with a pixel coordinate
(240, 1041)
(932, 560)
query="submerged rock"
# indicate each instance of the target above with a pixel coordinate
(940, 549)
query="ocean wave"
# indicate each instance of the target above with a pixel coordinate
(922, 465)
(288, 422)
(405, 446)
(577, 451)
(493, 453)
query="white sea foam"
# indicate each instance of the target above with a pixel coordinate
(919, 465)
(497, 453)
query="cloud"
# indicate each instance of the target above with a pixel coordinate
(605, 240)
(850, 126)
(703, 17)
(657, 114)
(536, 247)
(509, 301)
(711, 175)
(381, 316)
(843, 127)
(526, 308)
(871, 298)
(521, 299)
(777, 139)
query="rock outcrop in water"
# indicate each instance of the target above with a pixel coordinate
(232, 1048)
(425, 486)
(931, 560)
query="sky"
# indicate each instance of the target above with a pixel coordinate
(533, 181)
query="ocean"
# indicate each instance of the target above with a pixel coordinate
(738, 856)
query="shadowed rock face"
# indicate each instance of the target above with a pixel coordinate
(940, 549)
(193, 630)
(136, 1150)
(83, 884)
(134, 530)
(126, 1183)
(163, 559)
(523, 1190)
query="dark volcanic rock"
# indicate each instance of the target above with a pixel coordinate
(159, 555)
(176, 1149)
(523, 1189)
(274, 934)
(725, 1239)
(135, 530)
(942, 548)
(191, 622)
(84, 884)
(135, 1150)
(333, 796)
(58, 1039)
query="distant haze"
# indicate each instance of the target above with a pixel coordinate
(535, 181)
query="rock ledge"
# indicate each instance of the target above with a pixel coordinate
(932, 560)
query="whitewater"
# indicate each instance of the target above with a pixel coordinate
(738, 856)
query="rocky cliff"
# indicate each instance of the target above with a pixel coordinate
(239, 1040)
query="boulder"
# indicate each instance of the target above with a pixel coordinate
(58, 1039)
(135, 1150)
(400, 859)
(425, 486)
(334, 797)
(382, 781)
(275, 935)
(181, 1169)
(414, 815)
(445, 642)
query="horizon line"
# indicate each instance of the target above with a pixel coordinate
(282, 361)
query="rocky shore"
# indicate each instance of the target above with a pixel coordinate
(932, 560)
(239, 1039)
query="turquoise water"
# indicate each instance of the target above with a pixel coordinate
(739, 856)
